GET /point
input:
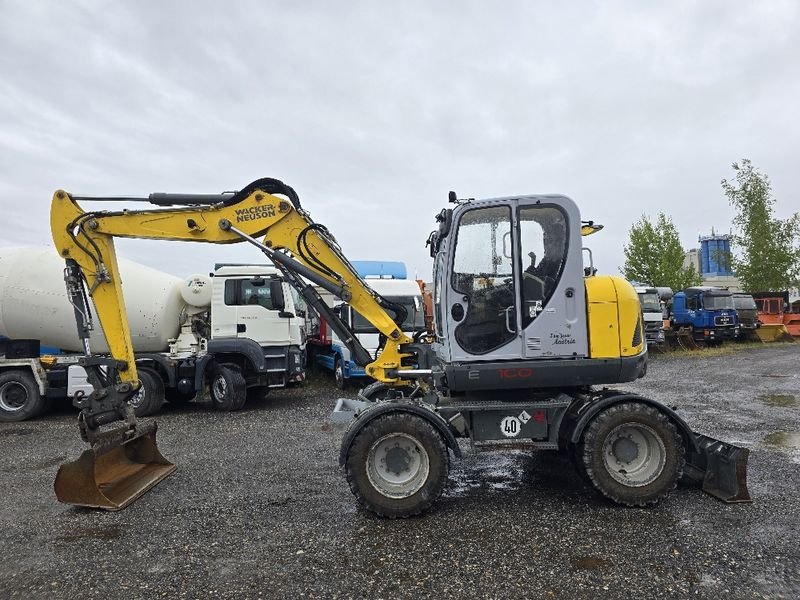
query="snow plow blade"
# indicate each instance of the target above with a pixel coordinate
(769, 332)
(121, 465)
(719, 468)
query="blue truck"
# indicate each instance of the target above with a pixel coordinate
(387, 278)
(708, 312)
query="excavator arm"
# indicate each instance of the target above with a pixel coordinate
(304, 251)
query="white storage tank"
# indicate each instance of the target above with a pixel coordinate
(34, 304)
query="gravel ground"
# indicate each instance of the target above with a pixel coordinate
(259, 508)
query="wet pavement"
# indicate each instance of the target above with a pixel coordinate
(259, 508)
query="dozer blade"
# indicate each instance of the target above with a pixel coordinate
(122, 465)
(720, 469)
(772, 332)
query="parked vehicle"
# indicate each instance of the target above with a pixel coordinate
(747, 314)
(331, 353)
(237, 330)
(707, 312)
(517, 360)
(652, 315)
(774, 310)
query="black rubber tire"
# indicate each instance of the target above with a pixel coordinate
(338, 374)
(149, 400)
(438, 460)
(20, 398)
(230, 392)
(257, 393)
(590, 454)
(173, 396)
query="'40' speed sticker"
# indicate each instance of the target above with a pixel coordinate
(510, 426)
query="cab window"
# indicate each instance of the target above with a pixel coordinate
(243, 292)
(543, 244)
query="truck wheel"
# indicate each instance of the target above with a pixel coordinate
(632, 454)
(397, 465)
(338, 374)
(19, 397)
(150, 396)
(228, 388)
(173, 396)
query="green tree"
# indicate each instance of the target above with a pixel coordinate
(766, 249)
(654, 255)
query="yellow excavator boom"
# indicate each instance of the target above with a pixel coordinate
(124, 462)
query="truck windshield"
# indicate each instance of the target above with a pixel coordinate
(744, 303)
(650, 302)
(718, 302)
(415, 318)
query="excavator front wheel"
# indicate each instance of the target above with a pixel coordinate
(398, 465)
(632, 454)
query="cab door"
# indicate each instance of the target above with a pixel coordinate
(551, 289)
(480, 305)
(248, 312)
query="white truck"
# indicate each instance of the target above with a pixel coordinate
(238, 330)
(328, 350)
(653, 315)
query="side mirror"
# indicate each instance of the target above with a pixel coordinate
(276, 294)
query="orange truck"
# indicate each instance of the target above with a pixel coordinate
(774, 310)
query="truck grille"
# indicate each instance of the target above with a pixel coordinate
(723, 320)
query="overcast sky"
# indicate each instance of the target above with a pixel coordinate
(373, 111)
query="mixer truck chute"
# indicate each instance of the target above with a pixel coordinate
(514, 359)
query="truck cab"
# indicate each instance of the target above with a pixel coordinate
(652, 314)
(747, 313)
(255, 303)
(708, 312)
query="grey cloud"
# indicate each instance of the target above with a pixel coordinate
(373, 111)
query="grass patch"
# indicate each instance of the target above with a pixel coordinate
(725, 349)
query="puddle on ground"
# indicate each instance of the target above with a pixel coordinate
(590, 563)
(94, 533)
(780, 400)
(783, 439)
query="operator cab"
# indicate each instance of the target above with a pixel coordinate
(508, 281)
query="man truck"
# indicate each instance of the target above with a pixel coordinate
(236, 331)
(652, 314)
(707, 312)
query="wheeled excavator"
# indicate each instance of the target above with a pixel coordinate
(526, 338)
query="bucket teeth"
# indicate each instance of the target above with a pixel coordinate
(121, 465)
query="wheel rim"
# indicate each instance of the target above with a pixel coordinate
(397, 465)
(137, 399)
(634, 454)
(339, 374)
(220, 387)
(13, 396)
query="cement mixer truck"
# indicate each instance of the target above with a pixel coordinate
(240, 331)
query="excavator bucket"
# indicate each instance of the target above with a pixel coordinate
(719, 468)
(120, 466)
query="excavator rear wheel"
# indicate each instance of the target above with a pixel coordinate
(398, 465)
(632, 454)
